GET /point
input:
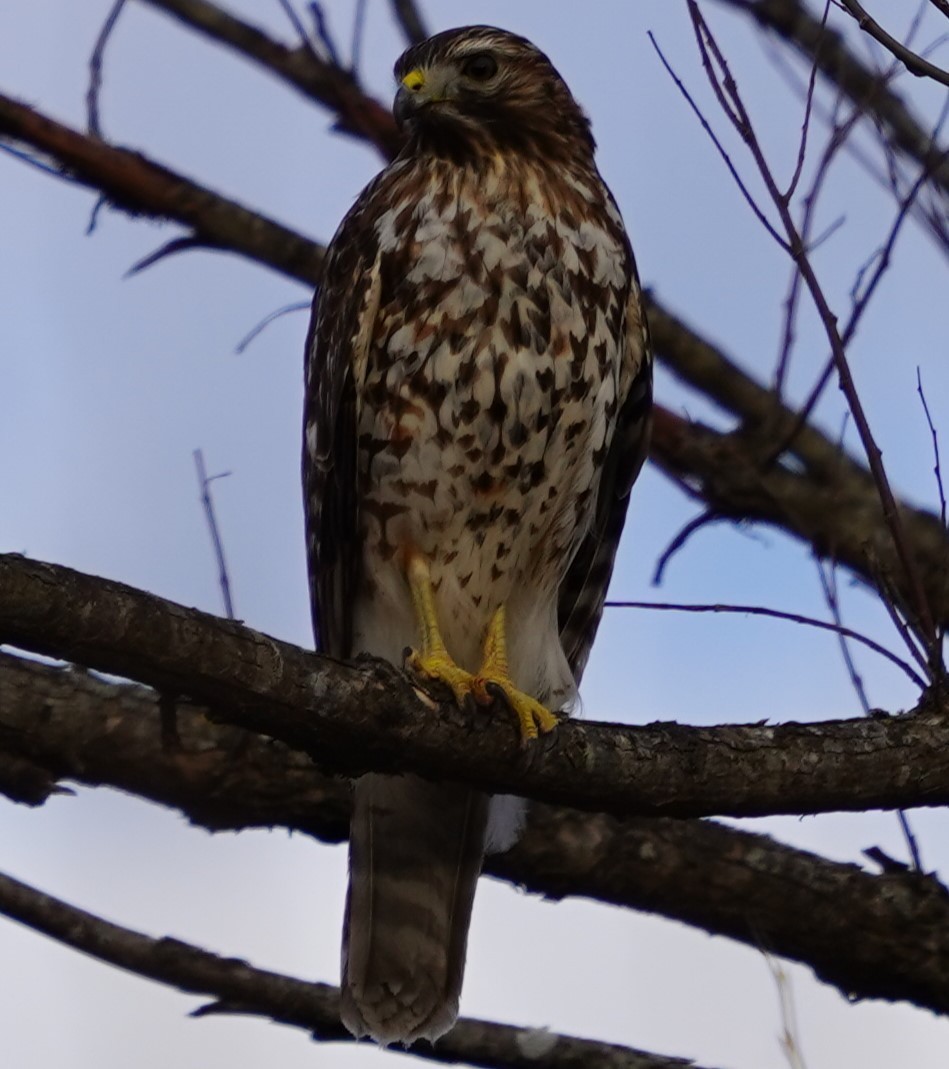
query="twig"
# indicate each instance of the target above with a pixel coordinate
(323, 34)
(739, 181)
(205, 484)
(188, 243)
(255, 331)
(776, 614)
(95, 69)
(808, 110)
(696, 524)
(828, 581)
(790, 1043)
(795, 23)
(913, 62)
(937, 468)
(300, 29)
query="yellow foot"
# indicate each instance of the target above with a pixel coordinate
(494, 679)
(533, 717)
(438, 665)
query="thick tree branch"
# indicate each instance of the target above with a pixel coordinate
(881, 936)
(839, 513)
(140, 186)
(369, 717)
(239, 988)
(325, 82)
(914, 63)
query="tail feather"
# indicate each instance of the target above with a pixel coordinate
(415, 855)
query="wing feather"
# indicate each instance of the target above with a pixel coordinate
(341, 326)
(583, 590)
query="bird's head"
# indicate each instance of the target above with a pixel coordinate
(483, 90)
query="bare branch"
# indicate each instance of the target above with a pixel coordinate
(720, 148)
(370, 717)
(239, 988)
(322, 81)
(726, 89)
(410, 19)
(873, 936)
(776, 614)
(139, 186)
(95, 69)
(204, 484)
(914, 63)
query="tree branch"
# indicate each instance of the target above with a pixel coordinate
(914, 63)
(370, 717)
(883, 936)
(139, 186)
(324, 82)
(239, 988)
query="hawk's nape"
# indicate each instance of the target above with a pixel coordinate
(478, 387)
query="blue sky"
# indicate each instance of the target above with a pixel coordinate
(107, 384)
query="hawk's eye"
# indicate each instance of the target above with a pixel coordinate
(480, 67)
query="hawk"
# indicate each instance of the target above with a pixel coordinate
(478, 389)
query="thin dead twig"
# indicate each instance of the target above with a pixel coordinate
(776, 614)
(95, 69)
(204, 482)
(257, 329)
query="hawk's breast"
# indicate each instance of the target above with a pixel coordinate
(489, 391)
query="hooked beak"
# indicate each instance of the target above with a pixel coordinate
(406, 104)
(419, 89)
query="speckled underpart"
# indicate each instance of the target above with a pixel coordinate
(478, 389)
(486, 404)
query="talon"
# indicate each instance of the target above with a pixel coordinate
(441, 667)
(533, 717)
(492, 682)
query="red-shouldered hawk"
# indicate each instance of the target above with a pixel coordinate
(478, 387)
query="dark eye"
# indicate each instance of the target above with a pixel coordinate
(480, 67)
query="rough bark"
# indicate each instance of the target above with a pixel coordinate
(873, 936)
(369, 716)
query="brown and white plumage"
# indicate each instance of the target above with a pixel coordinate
(478, 386)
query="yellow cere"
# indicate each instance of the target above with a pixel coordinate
(414, 80)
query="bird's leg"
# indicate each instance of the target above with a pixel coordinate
(494, 678)
(433, 659)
